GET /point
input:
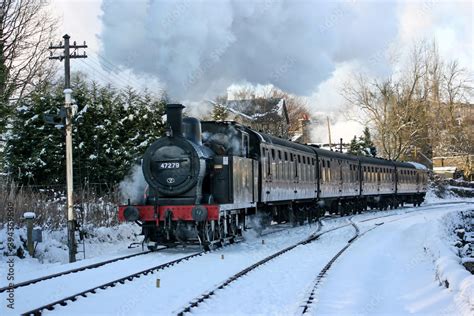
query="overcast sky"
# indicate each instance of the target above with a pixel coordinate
(196, 49)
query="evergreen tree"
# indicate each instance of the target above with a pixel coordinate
(354, 147)
(35, 151)
(219, 112)
(366, 144)
(363, 146)
(112, 129)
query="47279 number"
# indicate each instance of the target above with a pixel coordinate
(169, 165)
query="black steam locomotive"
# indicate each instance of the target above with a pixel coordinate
(206, 178)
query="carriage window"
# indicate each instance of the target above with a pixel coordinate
(286, 156)
(245, 145)
(324, 164)
(279, 154)
(273, 154)
(269, 172)
(304, 159)
(291, 157)
(329, 164)
(299, 159)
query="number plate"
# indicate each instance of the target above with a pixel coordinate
(169, 165)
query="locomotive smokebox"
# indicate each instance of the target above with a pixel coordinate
(174, 115)
(192, 130)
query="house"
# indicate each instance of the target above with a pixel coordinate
(267, 115)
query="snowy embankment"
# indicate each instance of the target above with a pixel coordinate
(102, 243)
(392, 269)
(449, 269)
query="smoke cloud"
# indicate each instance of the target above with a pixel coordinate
(133, 186)
(199, 48)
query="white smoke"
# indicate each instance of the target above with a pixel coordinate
(199, 48)
(133, 186)
(328, 103)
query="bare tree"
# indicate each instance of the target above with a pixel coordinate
(26, 30)
(417, 108)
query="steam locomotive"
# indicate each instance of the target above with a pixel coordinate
(207, 178)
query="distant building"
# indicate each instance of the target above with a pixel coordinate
(455, 166)
(266, 115)
(302, 135)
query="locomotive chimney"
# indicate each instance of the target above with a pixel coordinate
(174, 114)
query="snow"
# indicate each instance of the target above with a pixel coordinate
(51, 254)
(22, 108)
(447, 169)
(29, 215)
(394, 269)
(418, 165)
(84, 110)
(469, 237)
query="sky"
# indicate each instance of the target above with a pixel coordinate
(195, 50)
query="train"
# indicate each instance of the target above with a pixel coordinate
(208, 179)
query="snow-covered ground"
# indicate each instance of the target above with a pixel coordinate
(390, 270)
(52, 254)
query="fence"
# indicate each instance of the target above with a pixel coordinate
(95, 203)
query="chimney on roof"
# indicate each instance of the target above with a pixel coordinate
(304, 129)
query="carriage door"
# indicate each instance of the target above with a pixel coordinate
(294, 160)
(266, 174)
(341, 179)
(418, 188)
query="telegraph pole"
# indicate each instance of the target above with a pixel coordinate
(329, 133)
(67, 56)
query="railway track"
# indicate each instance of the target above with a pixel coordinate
(122, 280)
(312, 295)
(209, 294)
(103, 263)
(194, 303)
(131, 277)
(83, 268)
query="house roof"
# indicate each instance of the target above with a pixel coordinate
(259, 110)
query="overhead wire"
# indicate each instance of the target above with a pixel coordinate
(112, 79)
(106, 63)
(115, 72)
